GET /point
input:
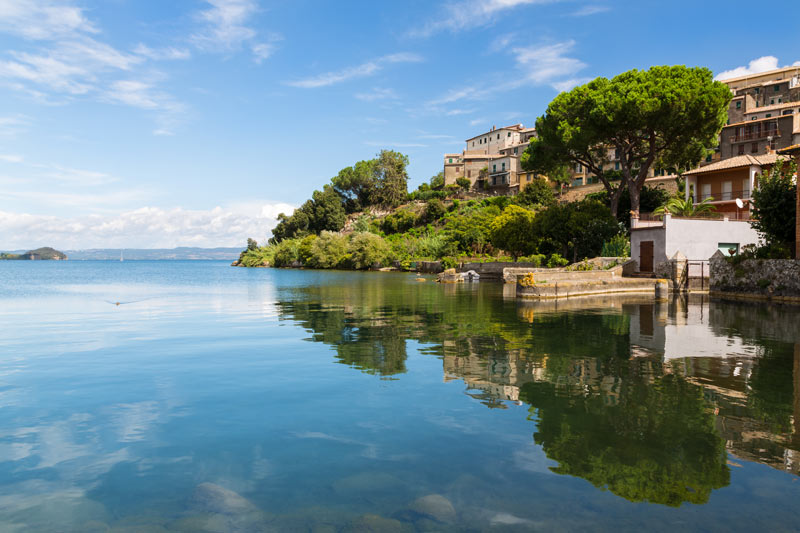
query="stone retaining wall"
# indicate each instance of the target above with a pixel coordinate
(777, 279)
(568, 289)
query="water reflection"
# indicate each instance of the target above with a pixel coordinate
(639, 398)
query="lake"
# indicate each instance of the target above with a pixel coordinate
(192, 396)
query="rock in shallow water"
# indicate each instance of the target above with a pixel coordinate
(434, 506)
(217, 509)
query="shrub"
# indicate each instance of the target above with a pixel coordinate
(361, 224)
(286, 252)
(434, 210)
(617, 246)
(512, 231)
(398, 222)
(464, 183)
(257, 257)
(304, 248)
(367, 250)
(329, 250)
(449, 262)
(536, 193)
(556, 261)
(536, 259)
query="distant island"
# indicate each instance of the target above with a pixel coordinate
(39, 254)
(183, 253)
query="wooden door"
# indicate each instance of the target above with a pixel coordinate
(646, 256)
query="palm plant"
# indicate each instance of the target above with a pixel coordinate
(685, 208)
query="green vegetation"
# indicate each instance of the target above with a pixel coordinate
(775, 207)
(663, 117)
(39, 254)
(681, 207)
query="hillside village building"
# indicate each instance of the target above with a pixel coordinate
(763, 118)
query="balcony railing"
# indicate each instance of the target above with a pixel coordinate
(754, 135)
(725, 196)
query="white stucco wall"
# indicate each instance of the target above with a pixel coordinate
(696, 239)
(653, 233)
(699, 239)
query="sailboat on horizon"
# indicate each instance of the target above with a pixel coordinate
(120, 256)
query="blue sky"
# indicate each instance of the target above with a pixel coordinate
(140, 123)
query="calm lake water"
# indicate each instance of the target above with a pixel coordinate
(224, 399)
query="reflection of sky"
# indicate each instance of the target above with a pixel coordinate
(108, 411)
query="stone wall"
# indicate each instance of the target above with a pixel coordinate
(764, 278)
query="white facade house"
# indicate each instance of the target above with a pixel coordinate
(653, 243)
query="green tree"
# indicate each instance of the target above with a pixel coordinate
(775, 207)
(367, 250)
(666, 116)
(434, 210)
(537, 193)
(329, 250)
(512, 231)
(464, 183)
(356, 184)
(471, 231)
(391, 179)
(651, 198)
(575, 230)
(437, 181)
(252, 244)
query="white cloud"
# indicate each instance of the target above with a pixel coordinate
(477, 121)
(147, 227)
(548, 65)
(13, 125)
(458, 16)
(69, 62)
(377, 93)
(42, 19)
(169, 53)
(589, 10)
(761, 64)
(11, 158)
(358, 71)
(228, 27)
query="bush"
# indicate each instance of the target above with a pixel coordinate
(304, 248)
(434, 210)
(464, 183)
(537, 259)
(535, 194)
(774, 205)
(427, 195)
(556, 261)
(512, 231)
(618, 246)
(286, 253)
(367, 250)
(398, 222)
(257, 256)
(329, 250)
(575, 230)
(361, 224)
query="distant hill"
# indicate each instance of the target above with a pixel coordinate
(39, 254)
(154, 254)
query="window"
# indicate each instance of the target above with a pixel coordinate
(738, 104)
(504, 167)
(754, 118)
(788, 112)
(515, 151)
(473, 143)
(578, 167)
(741, 149)
(728, 248)
(768, 115)
(494, 168)
(758, 90)
(708, 158)
(469, 173)
(616, 165)
(616, 153)
(771, 101)
(754, 148)
(529, 177)
(778, 88)
(450, 160)
(509, 134)
(706, 191)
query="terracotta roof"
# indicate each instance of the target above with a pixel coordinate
(736, 162)
(789, 150)
(772, 107)
(751, 121)
(760, 74)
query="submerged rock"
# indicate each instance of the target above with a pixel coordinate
(434, 506)
(217, 509)
(370, 523)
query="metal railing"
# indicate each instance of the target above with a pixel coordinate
(755, 135)
(725, 196)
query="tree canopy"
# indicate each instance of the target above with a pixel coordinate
(774, 205)
(666, 116)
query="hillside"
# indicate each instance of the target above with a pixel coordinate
(40, 254)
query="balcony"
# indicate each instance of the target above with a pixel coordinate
(755, 135)
(725, 196)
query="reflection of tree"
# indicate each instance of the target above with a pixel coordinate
(772, 387)
(657, 443)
